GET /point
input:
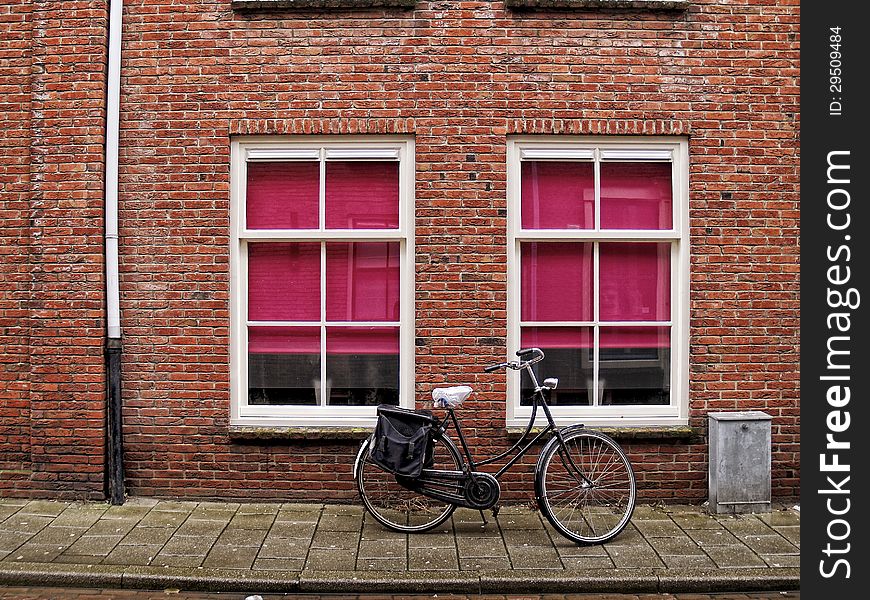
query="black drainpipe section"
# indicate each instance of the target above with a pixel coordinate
(115, 490)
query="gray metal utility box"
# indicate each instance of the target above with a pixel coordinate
(739, 462)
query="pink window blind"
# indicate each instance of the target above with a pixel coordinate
(558, 195)
(284, 340)
(362, 195)
(283, 195)
(636, 195)
(556, 281)
(635, 337)
(362, 340)
(284, 281)
(635, 281)
(556, 337)
(362, 281)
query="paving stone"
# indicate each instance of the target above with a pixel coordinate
(487, 563)
(745, 525)
(791, 533)
(156, 518)
(231, 557)
(682, 546)
(382, 533)
(37, 553)
(630, 536)
(292, 530)
(682, 561)
(325, 559)
(64, 536)
(175, 506)
(534, 557)
(712, 537)
(587, 562)
(769, 544)
(382, 549)
(339, 523)
(346, 510)
(252, 520)
(431, 540)
(695, 521)
(527, 537)
(184, 562)
(93, 545)
(382, 564)
(7, 511)
(147, 536)
(781, 518)
(285, 548)
(126, 511)
(279, 564)
(649, 512)
(297, 518)
(480, 547)
(733, 556)
(651, 529)
(520, 521)
(45, 508)
(423, 559)
(188, 545)
(203, 528)
(79, 516)
(24, 523)
(631, 557)
(478, 530)
(132, 555)
(112, 527)
(301, 507)
(564, 547)
(213, 512)
(782, 560)
(242, 537)
(335, 539)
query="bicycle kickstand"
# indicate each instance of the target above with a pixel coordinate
(483, 518)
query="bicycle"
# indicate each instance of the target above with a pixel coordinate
(584, 482)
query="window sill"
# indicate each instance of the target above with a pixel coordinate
(603, 4)
(640, 434)
(324, 4)
(278, 434)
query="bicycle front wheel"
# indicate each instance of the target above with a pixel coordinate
(586, 486)
(395, 506)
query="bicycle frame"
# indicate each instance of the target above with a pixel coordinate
(551, 429)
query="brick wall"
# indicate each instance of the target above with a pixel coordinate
(459, 77)
(51, 303)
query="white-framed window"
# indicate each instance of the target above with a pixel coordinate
(598, 276)
(322, 279)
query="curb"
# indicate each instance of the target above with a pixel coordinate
(461, 582)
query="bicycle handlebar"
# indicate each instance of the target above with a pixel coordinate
(516, 365)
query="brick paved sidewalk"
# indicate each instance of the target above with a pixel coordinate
(336, 548)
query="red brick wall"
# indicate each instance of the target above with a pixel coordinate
(51, 304)
(459, 77)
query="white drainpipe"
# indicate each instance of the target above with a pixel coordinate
(113, 114)
(114, 472)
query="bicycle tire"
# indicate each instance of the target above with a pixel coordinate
(586, 512)
(396, 507)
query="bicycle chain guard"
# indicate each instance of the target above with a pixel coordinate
(476, 490)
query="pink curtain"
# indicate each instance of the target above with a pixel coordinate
(362, 281)
(284, 281)
(556, 281)
(636, 195)
(558, 195)
(283, 195)
(635, 281)
(362, 195)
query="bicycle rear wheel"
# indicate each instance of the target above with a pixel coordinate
(591, 508)
(395, 506)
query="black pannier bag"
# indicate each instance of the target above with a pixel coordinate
(403, 440)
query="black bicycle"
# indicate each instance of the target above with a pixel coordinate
(584, 482)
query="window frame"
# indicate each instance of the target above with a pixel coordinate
(322, 149)
(586, 148)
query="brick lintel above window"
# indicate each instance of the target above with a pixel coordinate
(307, 4)
(604, 4)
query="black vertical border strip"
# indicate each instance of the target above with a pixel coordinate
(826, 129)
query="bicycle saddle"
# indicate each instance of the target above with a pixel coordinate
(450, 397)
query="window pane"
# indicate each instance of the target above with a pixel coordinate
(556, 281)
(283, 195)
(362, 195)
(634, 365)
(284, 282)
(636, 196)
(362, 365)
(283, 365)
(568, 356)
(558, 195)
(362, 281)
(635, 282)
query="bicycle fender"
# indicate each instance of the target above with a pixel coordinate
(545, 450)
(362, 449)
